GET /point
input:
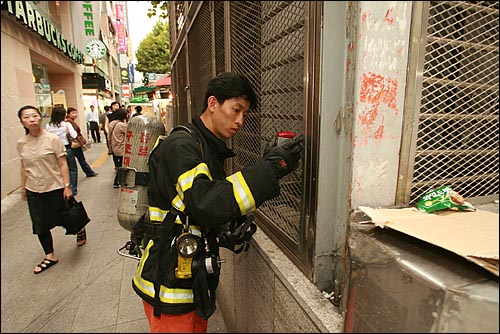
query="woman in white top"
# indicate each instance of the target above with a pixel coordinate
(44, 180)
(60, 127)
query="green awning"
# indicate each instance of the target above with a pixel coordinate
(144, 89)
(139, 100)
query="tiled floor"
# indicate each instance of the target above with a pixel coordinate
(89, 290)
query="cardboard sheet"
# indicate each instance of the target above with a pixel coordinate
(471, 234)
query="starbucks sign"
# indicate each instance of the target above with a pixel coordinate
(95, 48)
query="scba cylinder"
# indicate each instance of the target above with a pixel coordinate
(142, 133)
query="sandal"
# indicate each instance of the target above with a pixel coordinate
(44, 265)
(81, 237)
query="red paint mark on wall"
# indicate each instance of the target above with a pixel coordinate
(379, 134)
(388, 17)
(372, 86)
(390, 94)
(368, 118)
(376, 89)
(364, 17)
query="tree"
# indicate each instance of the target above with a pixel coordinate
(163, 8)
(153, 52)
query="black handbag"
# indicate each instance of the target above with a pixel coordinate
(74, 216)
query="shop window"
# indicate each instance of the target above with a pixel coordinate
(42, 91)
(102, 64)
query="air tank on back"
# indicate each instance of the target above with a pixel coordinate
(142, 133)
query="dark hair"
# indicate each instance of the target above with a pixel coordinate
(138, 108)
(120, 114)
(106, 108)
(57, 116)
(227, 86)
(70, 109)
(115, 102)
(20, 112)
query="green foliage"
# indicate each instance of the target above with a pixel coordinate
(153, 52)
(154, 7)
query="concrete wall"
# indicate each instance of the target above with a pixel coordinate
(262, 291)
(380, 73)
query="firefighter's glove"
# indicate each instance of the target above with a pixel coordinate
(238, 234)
(270, 144)
(284, 158)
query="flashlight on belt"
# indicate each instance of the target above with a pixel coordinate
(187, 245)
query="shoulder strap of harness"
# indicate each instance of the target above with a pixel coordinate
(184, 128)
(193, 134)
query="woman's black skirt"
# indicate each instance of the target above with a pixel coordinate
(45, 209)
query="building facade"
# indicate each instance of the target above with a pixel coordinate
(58, 53)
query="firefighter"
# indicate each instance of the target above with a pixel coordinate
(191, 200)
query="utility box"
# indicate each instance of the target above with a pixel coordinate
(400, 284)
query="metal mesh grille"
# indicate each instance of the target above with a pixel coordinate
(180, 16)
(177, 18)
(180, 83)
(200, 57)
(267, 45)
(220, 63)
(457, 140)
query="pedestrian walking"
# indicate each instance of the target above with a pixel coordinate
(58, 126)
(102, 121)
(45, 181)
(129, 112)
(117, 135)
(192, 200)
(138, 111)
(93, 122)
(110, 116)
(71, 116)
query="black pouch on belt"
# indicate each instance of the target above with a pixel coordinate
(203, 287)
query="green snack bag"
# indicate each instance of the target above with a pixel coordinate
(443, 198)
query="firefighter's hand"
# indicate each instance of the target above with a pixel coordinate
(284, 159)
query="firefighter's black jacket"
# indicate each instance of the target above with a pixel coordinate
(185, 179)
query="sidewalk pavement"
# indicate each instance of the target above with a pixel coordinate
(89, 290)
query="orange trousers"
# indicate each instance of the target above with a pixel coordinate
(175, 323)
